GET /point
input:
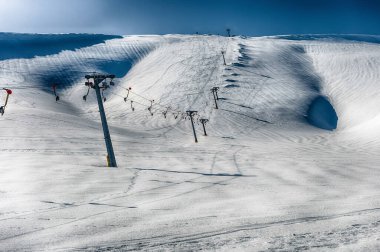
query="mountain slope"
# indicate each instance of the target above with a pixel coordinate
(263, 179)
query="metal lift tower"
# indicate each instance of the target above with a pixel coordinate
(100, 82)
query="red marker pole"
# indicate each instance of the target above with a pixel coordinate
(2, 108)
(9, 92)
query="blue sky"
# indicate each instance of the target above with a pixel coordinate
(246, 17)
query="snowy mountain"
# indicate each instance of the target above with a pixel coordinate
(289, 163)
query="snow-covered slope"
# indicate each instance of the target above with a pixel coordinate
(263, 179)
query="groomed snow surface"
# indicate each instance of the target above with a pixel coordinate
(264, 179)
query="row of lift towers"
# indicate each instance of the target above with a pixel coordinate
(103, 81)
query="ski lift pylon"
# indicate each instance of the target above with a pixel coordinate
(54, 86)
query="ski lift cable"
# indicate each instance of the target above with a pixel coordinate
(129, 99)
(151, 109)
(140, 103)
(158, 103)
(145, 98)
(134, 101)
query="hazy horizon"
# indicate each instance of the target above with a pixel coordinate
(143, 17)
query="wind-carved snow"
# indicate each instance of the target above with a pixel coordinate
(321, 114)
(14, 45)
(263, 178)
